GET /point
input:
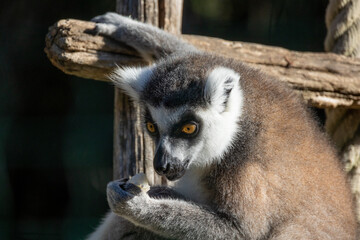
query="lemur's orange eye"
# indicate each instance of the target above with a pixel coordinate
(150, 127)
(189, 128)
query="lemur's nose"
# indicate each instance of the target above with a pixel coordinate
(162, 169)
(161, 164)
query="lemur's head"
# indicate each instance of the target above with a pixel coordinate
(191, 109)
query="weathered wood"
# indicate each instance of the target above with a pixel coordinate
(170, 13)
(133, 149)
(74, 52)
(343, 125)
(129, 139)
(325, 80)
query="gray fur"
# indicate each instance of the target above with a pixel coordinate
(257, 168)
(153, 44)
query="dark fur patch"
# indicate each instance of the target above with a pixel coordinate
(228, 86)
(175, 83)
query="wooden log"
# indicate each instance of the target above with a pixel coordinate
(325, 80)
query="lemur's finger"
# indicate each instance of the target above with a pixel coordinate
(125, 185)
(109, 17)
(116, 192)
(93, 31)
(122, 180)
(102, 29)
(104, 18)
(132, 188)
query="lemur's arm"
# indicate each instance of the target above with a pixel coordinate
(170, 218)
(151, 42)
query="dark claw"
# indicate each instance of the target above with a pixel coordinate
(95, 31)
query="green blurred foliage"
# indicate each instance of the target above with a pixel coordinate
(293, 24)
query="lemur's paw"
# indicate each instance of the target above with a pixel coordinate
(102, 29)
(120, 192)
(110, 18)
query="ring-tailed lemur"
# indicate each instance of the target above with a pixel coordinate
(247, 159)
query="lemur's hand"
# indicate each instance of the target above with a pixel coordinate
(122, 195)
(151, 42)
(110, 18)
(110, 22)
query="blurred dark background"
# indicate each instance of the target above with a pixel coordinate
(56, 130)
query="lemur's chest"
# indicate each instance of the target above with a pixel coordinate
(192, 187)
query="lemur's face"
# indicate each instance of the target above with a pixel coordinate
(178, 135)
(191, 116)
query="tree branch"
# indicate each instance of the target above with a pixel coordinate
(325, 80)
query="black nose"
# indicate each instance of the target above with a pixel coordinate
(161, 164)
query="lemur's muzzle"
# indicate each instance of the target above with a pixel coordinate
(166, 165)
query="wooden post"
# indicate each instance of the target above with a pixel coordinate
(133, 149)
(343, 125)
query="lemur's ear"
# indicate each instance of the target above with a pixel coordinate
(218, 87)
(131, 80)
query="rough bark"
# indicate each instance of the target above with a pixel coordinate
(343, 125)
(133, 149)
(325, 80)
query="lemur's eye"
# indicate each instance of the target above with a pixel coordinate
(189, 128)
(150, 127)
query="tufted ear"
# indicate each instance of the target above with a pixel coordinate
(131, 80)
(218, 87)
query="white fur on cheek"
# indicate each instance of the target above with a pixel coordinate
(131, 80)
(220, 128)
